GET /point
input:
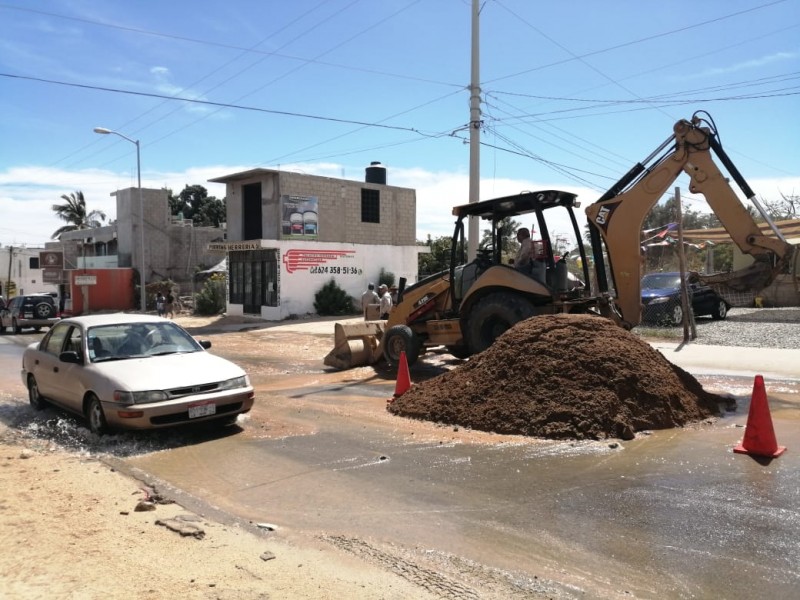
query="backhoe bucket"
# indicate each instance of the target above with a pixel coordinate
(355, 345)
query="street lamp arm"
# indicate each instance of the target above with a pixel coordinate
(106, 131)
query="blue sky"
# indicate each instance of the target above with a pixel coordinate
(573, 95)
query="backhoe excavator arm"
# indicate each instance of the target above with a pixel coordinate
(617, 217)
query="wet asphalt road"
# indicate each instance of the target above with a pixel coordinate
(674, 514)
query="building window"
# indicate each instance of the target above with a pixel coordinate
(33, 262)
(370, 206)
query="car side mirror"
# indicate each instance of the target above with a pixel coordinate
(71, 357)
(206, 344)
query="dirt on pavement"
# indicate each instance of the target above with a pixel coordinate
(563, 377)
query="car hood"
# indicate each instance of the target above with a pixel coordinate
(168, 371)
(659, 292)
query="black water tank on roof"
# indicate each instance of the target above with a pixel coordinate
(376, 173)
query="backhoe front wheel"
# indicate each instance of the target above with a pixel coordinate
(492, 316)
(399, 339)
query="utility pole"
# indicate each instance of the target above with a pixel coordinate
(8, 281)
(474, 132)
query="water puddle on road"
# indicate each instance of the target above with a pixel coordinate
(51, 428)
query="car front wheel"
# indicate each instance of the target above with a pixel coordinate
(676, 315)
(720, 310)
(95, 416)
(34, 397)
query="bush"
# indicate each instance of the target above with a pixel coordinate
(211, 299)
(333, 300)
(386, 278)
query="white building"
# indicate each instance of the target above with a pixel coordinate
(21, 272)
(289, 233)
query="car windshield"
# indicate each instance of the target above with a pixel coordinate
(135, 340)
(656, 281)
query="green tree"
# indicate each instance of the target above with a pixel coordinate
(195, 204)
(438, 259)
(73, 211)
(507, 230)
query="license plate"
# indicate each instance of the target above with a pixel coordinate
(202, 410)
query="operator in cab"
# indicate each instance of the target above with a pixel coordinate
(522, 261)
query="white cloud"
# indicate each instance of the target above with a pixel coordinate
(28, 193)
(753, 63)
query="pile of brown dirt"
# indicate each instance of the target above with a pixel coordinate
(563, 377)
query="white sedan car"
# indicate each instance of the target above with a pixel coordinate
(133, 372)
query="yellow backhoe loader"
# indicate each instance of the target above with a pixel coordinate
(468, 306)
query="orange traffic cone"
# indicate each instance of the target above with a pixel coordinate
(403, 377)
(759, 436)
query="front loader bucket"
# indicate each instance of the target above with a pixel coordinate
(355, 345)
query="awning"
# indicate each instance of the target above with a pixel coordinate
(789, 228)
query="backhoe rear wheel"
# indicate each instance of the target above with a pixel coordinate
(398, 339)
(492, 316)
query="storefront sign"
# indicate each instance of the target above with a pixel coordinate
(51, 260)
(52, 276)
(314, 261)
(85, 280)
(233, 246)
(299, 217)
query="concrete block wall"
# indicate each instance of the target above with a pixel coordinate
(171, 251)
(340, 209)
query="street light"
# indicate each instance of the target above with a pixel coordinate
(105, 131)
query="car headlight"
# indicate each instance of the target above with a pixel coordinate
(139, 397)
(660, 300)
(236, 382)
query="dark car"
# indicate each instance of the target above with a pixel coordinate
(29, 310)
(661, 299)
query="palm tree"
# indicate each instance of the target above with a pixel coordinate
(73, 211)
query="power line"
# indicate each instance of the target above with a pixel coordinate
(228, 46)
(211, 103)
(631, 42)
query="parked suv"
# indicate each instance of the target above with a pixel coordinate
(661, 299)
(30, 310)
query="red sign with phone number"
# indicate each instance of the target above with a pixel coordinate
(303, 260)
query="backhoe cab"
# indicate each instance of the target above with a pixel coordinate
(468, 306)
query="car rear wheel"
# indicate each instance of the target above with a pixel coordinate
(95, 416)
(43, 310)
(720, 310)
(34, 397)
